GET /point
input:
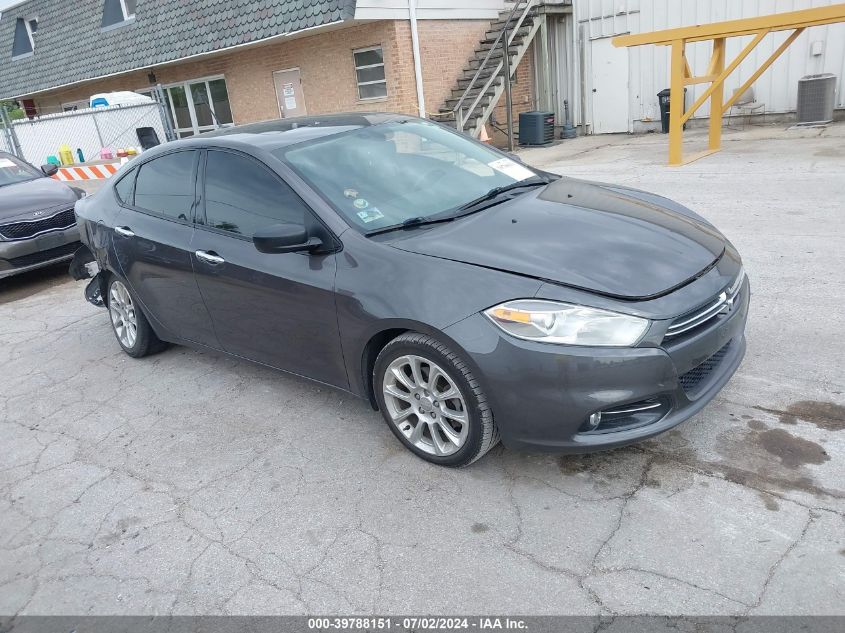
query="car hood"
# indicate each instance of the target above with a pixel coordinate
(20, 201)
(612, 241)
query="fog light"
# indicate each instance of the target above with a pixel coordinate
(594, 421)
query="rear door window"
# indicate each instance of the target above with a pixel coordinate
(124, 188)
(166, 186)
(243, 196)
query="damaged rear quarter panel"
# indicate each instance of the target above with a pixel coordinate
(94, 216)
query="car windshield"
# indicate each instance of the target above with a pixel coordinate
(404, 171)
(13, 171)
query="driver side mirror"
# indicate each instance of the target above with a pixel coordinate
(285, 238)
(50, 169)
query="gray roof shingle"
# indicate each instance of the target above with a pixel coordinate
(70, 46)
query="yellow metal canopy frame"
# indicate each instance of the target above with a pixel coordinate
(718, 70)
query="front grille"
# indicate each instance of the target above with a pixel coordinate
(720, 306)
(24, 230)
(695, 379)
(44, 256)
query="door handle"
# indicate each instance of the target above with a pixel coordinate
(124, 231)
(209, 258)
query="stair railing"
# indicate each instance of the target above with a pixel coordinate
(505, 38)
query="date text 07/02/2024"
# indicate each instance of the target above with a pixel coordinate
(416, 624)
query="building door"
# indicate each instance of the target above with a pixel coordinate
(289, 93)
(610, 99)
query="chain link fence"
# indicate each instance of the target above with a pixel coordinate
(7, 141)
(91, 133)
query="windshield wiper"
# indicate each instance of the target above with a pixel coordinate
(466, 209)
(494, 193)
(411, 223)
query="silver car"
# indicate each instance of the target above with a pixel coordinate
(37, 221)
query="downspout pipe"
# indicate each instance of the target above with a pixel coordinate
(415, 45)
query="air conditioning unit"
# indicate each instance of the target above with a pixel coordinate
(816, 99)
(536, 128)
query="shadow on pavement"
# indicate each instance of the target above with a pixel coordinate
(33, 282)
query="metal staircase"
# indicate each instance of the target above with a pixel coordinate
(482, 84)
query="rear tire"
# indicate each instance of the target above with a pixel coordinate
(129, 324)
(431, 401)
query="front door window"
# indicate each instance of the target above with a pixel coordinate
(242, 197)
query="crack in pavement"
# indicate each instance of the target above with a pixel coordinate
(811, 517)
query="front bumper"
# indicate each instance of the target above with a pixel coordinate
(543, 395)
(20, 256)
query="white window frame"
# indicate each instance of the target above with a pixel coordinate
(127, 18)
(194, 128)
(358, 84)
(126, 14)
(27, 22)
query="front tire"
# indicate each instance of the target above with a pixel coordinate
(130, 326)
(432, 402)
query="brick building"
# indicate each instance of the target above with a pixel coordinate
(222, 63)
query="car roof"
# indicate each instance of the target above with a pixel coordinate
(271, 135)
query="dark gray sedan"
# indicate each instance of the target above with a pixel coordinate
(469, 297)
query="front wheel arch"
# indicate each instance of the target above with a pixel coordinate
(368, 360)
(381, 338)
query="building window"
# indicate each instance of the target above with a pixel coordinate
(118, 12)
(196, 106)
(24, 43)
(369, 72)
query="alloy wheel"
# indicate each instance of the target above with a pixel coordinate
(426, 405)
(122, 312)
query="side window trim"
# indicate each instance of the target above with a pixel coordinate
(202, 217)
(189, 221)
(199, 187)
(132, 175)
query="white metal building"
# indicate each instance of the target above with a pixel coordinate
(617, 89)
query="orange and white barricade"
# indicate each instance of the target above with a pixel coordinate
(87, 172)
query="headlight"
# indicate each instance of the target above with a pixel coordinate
(566, 324)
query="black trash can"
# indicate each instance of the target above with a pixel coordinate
(664, 98)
